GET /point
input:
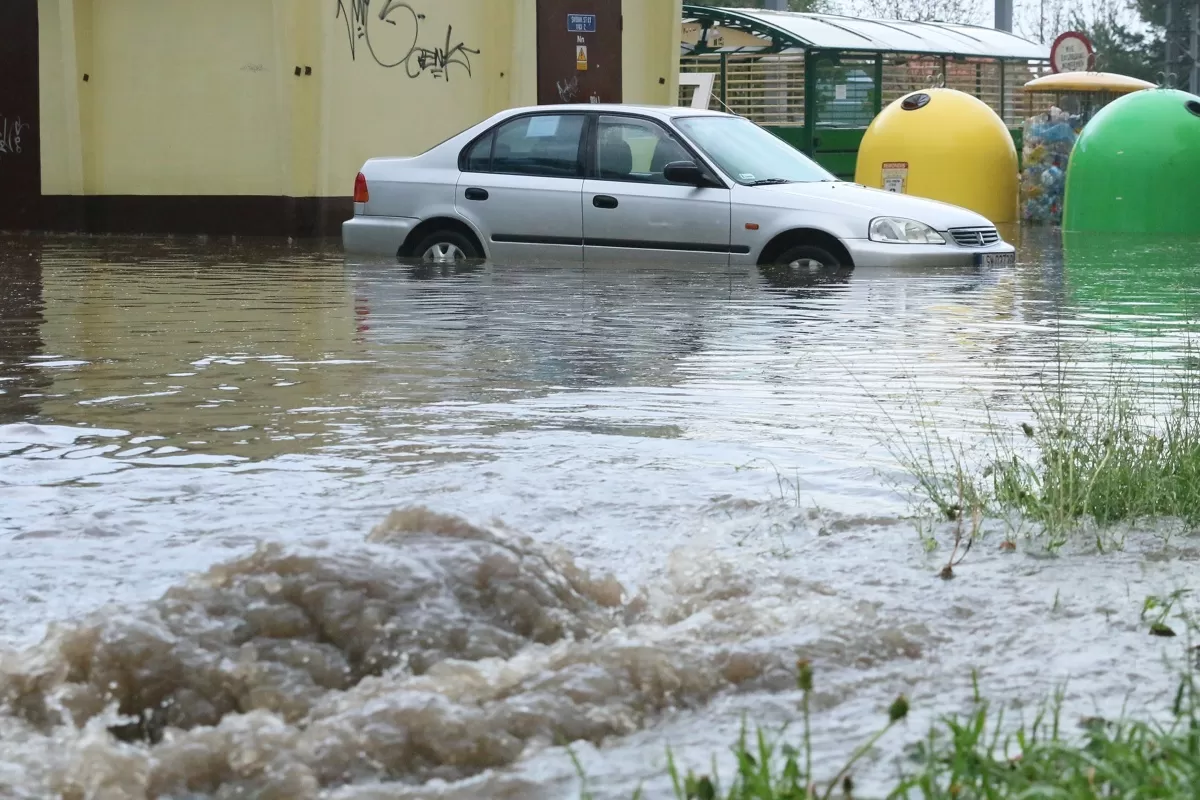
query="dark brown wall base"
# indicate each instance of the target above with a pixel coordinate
(232, 215)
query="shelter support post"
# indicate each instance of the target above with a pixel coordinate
(1003, 91)
(810, 99)
(724, 81)
(878, 83)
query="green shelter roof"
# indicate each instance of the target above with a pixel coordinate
(788, 30)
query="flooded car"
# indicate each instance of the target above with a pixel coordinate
(594, 181)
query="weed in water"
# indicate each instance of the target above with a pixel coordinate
(1163, 607)
(977, 756)
(959, 537)
(766, 771)
(1110, 759)
(940, 467)
(1106, 456)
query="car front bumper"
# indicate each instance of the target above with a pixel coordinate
(374, 235)
(867, 253)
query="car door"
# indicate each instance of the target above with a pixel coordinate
(522, 187)
(632, 213)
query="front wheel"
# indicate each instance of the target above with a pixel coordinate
(804, 267)
(445, 247)
(807, 257)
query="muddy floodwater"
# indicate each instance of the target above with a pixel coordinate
(364, 530)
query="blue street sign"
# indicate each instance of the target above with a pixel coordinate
(581, 23)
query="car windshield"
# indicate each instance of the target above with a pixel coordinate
(749, 154)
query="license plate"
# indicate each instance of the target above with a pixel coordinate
(988, 260)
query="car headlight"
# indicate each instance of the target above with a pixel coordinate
(897, 230)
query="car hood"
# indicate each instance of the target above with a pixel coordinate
(831, 197)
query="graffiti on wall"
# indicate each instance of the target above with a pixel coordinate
(11, 131)
(392, 37)
(568, 90)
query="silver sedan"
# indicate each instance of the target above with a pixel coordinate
(602, 182)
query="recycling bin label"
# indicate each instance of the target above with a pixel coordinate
(895, 176)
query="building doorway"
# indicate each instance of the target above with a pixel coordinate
(20, 151)
(579, 51)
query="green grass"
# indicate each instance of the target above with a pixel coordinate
(977, 756)
(1101, 458)
(1124, 452)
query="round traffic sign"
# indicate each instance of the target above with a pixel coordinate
(1071, 52)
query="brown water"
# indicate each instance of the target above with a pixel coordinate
(308, 528)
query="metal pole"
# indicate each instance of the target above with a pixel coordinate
(724, 81)
(810, 100)
(1171, 37)
(1004, 15)
(878, 84)
(1194, 47)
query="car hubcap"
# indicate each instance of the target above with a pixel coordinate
(444, 253)
(810, 264)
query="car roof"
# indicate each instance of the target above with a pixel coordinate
(659, 111)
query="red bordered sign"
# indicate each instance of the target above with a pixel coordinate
(1071, 52)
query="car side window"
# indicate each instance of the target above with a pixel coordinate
(479, 158)
(545, 145)
(630, 149)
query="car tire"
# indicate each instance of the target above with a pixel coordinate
(445, 247)
(807, 256)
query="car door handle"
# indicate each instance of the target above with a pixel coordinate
(604, 201)
(476, 194)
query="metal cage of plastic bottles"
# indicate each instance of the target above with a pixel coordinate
(1057, 107)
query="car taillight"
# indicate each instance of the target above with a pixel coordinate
(360, 189)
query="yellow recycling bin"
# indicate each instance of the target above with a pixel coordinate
(945, 145)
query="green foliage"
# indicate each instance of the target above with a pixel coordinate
(766, 771)
(968, 758)
(1101, 456)
(978, 756)
(1120, 48)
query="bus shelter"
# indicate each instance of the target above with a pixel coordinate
(817, 80)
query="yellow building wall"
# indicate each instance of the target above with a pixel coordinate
(650, 51)
(183, 101)
(384, 93)
(62, 162)
(201, 98)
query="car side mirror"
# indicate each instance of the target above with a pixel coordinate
(685, 172)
